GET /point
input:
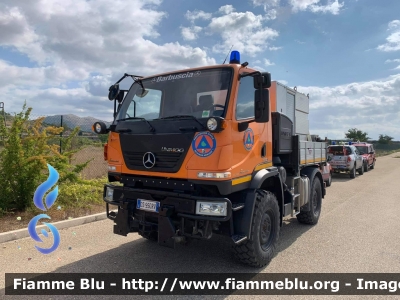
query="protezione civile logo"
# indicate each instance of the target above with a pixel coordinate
(39, 203)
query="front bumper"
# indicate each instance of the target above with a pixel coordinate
(177, 214)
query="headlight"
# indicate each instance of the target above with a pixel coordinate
(211, 208)
(111, 168)
(212, 124)
(109, 194)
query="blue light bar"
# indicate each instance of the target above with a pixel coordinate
(235, 57)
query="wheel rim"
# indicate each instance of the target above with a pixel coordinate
(315, 202)
(266, 230)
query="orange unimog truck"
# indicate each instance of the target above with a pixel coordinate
(211, 150)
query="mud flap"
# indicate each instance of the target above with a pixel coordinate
(166, 229)
(121, 226)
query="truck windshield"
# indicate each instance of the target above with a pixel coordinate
(198, 94)
(362, 149)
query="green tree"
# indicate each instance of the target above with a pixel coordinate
(385, 139)
(24, 159)
(355, 135)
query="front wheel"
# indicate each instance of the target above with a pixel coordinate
(311, 217)
(329, 181)
(259, 249)
(151, 236)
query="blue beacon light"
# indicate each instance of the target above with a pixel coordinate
(235, 57)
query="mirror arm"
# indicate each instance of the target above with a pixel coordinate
(250, 74)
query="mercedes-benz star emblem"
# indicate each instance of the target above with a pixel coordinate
(149, 160)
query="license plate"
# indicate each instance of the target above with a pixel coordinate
(148, 205)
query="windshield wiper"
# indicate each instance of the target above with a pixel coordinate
(181, 117)
(152, 129)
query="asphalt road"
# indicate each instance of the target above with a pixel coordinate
(358, 231)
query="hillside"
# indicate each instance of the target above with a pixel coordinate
(72, 121)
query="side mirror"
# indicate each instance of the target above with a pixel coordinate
(261, 106)
(99, 128)
(113, 92)
(120, 96)
(263, 81)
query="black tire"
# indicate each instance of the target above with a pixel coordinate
(260, 248)
(373, 166)
(353, 172)
(361, 170)
(366, 168)
(329, 181)
(311, 217)
(151, 236)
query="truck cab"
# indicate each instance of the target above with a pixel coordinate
(206, 151)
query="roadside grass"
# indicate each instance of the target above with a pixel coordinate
(379, 153)
(74, 200)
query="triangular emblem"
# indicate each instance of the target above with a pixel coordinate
(203, 144)
(248, 141)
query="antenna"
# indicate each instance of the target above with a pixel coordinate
(227, 55)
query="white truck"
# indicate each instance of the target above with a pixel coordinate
(345, 158)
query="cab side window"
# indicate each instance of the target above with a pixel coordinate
(245, 99)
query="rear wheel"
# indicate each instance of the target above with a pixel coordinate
(259, 249)
(311, 217)
(353, 172)
(361, 170)
(373, 166)
(366, 166)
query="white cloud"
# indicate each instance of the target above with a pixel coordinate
(190, 33)
(332, 7)
(271, 6)
(394, 24)
(226, 9)
(245, 30)
(394, 61)
(77, 53)
(283, 82)
(372, 106)
(267, 62)
(393, 40)
(197, 14)
(274, 48)
(267, 4)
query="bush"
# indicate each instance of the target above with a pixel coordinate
(81, 194)
(24, 159)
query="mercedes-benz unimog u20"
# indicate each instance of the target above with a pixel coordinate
(211, 150)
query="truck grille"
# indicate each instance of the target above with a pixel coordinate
(165, 162)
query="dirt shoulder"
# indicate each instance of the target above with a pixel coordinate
(20, 220)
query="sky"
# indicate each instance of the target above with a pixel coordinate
(61, 56)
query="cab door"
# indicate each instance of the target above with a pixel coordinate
(249, 145)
